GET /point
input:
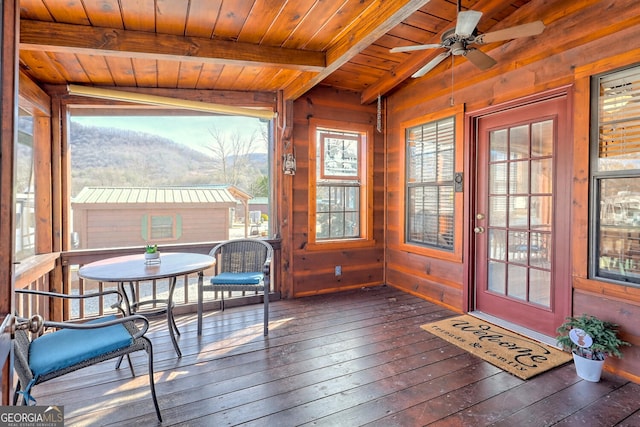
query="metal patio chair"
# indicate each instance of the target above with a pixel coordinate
(75, 345)
(241, 265)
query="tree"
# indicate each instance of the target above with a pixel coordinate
(234, 156)
(260, 187)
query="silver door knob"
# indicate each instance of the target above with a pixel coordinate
(478, 230)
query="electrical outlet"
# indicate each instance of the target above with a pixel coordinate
(338, 270)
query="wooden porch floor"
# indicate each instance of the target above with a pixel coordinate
(347, 359)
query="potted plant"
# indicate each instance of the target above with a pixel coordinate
(590, 340)
(151, 254)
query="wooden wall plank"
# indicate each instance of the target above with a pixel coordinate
(599, 40)
(312, 271)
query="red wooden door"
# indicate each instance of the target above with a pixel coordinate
(520, 225)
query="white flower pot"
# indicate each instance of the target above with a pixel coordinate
(587, 369)
(153, 258)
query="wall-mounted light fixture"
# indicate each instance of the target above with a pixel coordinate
(165, 101)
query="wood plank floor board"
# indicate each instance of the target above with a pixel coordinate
(346, 359)
(234, 350)
(334, 394)
(232, 367)
(563, 404)
(398, 397)
(622, 404)
(298, 381)
(493, 408)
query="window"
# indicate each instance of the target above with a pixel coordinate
(24, 190)
(340, 183)
(162, 227)
(615, 176)
(430, 201)
(145, 179)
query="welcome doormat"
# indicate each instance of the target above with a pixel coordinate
(507, 350)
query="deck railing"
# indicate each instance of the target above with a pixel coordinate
(58, 272)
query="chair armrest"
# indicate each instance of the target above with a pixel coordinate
(118, 304)
(68, 296)
(266, 267)
(121, 320)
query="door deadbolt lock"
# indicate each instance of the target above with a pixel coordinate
(478, 230)
(479, 216)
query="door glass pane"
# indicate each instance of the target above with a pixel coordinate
(540, 287)
(542, 139)
(541, 212)
(497, 277)
(497, 244)
(498, 178)
(540, 250)
(541, 176)
(519, 177)
(517, 282)
(497, 211)
(498, 145)
(519, 142)
(519, 211)
(519, 247)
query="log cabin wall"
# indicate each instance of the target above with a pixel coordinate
(581, 39)
(312, 271)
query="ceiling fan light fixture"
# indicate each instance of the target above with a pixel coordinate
(458, 48)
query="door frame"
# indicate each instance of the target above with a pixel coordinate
(471, 144)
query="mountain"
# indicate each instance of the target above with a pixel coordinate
(116, 157)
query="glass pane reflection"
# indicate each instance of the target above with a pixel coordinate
(496, 282)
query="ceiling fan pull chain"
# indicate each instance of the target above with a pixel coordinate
(451, 100)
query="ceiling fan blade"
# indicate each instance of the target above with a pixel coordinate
(431, 64)
(467, 22)
(524, 30)
(416, 47)
(480, 59)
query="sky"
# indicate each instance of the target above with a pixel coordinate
(192, 131)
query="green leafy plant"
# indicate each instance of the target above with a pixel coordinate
(151, 249)
(604, 335)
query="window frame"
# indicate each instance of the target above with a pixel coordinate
(455, 254)
(597, 178)
(365, 175)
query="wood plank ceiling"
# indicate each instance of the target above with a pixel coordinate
(242, 45)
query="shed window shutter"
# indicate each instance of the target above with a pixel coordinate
(144, 228)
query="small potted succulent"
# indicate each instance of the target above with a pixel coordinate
(590, 340)
(151, 254)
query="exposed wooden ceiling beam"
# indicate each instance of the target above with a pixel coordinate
(82, 39)
(376, 21)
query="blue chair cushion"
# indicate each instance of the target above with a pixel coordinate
(67, 347)
(226, 278)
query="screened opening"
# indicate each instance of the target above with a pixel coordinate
(167, 179)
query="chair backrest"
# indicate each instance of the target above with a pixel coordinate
(241, 255)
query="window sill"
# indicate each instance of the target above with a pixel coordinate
(340, 244)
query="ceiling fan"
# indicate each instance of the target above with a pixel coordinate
(457, 41)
